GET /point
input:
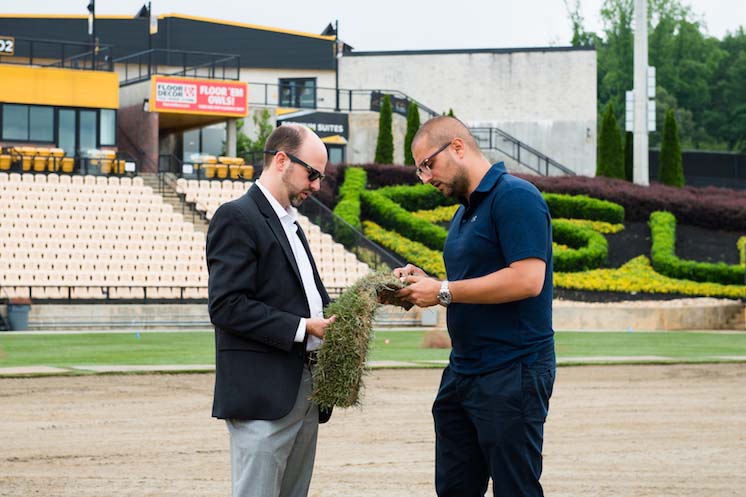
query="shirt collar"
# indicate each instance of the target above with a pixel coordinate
(489, 180)
(286, 216)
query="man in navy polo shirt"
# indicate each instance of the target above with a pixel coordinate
(494, 395)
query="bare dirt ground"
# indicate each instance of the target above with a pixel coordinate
(627, 431)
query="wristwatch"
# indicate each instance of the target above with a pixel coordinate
(444, 295)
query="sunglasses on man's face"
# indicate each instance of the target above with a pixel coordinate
(313, 173)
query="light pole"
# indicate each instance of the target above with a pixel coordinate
(337, 55)
(92, 31)
(641, 173)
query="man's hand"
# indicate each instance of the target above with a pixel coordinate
(317, 326)
(421, 290)
(409, 270)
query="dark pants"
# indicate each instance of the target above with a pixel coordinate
(492, 425)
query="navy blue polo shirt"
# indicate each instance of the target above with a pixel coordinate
(505, 220)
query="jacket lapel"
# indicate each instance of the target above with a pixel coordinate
(275, 226)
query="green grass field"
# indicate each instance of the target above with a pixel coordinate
(157, 348)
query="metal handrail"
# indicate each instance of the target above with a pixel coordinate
(491, 138)
(354, 241)
(211, 65)
(67, 54)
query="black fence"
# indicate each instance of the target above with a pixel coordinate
(63, 54)
(141, 66)
(702, 168)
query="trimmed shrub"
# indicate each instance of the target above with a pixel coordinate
(671, 168)
(710, 207)
(385, 145)
(413, 124)
(629, 163)
(348, 207)
(589, 249)
(380, 175)
(637, 276)
(741, 244)
(416, 197)
(391, 215)
(610, 153)
(583, 207)
(663, 255)
(430, 261)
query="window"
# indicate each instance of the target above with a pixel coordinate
(15, 122)
(108, 131)
(298, 92)
(66, 131)
(87, 130)
(204, 141)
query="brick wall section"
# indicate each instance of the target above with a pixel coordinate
(137, 135)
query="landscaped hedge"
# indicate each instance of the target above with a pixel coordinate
(588, 248)
(710, 207)
(430, 261)
(416, 197)
(741, 244)
(583, 207)
(391, 215)
(638, 276)
(348, 207)
(663, 254)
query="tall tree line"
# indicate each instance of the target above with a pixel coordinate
(701, 78)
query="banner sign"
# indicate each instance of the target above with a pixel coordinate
(198, 96)
(322, 123)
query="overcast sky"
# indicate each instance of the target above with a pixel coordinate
(398, 24)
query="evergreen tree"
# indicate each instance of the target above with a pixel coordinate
(610, 153)
(450, 113)
(671, 171)
(385, 145)
(413, 124)
(629, 167)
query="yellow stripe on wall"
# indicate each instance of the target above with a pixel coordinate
(64, 87)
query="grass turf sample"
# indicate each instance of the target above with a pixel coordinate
(338, 375)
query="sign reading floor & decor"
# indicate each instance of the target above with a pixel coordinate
(198, 96)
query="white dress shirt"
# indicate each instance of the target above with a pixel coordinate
(287, 219)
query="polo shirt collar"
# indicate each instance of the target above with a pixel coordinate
(488, 182)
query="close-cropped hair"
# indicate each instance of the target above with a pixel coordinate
(442, 129)
(286, 138)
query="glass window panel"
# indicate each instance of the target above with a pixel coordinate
(41, 124)
(308, 94)
(15, 122)
(87, 132)
(191, 144)
(108, 127)
(336, 155)
(66, 131)
(213, 138)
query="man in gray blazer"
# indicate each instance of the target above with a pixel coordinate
(266, 301)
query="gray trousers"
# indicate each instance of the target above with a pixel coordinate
(275, 458)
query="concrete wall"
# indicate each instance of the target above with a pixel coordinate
(546, 99)
(361, 147)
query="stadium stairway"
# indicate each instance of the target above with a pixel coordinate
(167, 191)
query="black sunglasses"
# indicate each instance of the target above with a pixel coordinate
(313, 173)
(425, 164)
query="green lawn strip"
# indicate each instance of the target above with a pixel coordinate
(66, 350)
(154, 348)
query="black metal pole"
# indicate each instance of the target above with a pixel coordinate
(150, 42)
(336, 65)
(92, 32)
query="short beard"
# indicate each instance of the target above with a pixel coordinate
(293, 194)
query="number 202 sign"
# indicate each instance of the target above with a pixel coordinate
(7, 45)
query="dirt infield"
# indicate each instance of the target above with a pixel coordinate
(618, 431)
